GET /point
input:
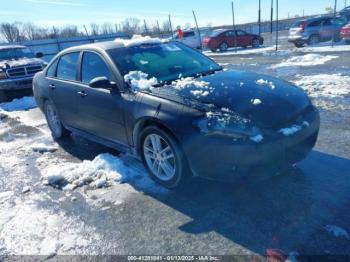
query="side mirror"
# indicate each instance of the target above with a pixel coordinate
(39, 55)
(102, 82)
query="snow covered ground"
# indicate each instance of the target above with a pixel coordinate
(75, 197)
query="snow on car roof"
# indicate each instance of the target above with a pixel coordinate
(3, 47)
(137, 40)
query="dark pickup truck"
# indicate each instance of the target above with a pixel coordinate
(18, 65)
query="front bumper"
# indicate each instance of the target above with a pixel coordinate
(16, 83)
(221, 158)
(297, 39)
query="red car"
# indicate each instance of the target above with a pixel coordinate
(224, 39)
(345, 33)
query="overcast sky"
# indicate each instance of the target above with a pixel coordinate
(216, 12)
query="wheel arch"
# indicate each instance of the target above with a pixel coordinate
(141, 124)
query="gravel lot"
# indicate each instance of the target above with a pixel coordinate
(305, 210)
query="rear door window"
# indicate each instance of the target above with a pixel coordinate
(93, 66)
(315, 23)
(67, 67)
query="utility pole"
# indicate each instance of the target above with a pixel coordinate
(146, 30)
(234, 25)
(199, 32)
(171, 28)
(259, 17)
(335, 13)
(277, 25)
(271, 25)
(160, 32)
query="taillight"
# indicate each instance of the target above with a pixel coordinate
(302, 27)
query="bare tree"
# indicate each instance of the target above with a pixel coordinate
(166, 26)
(70, 31)
(11, 32)
(107, 28)
(95, 29)
(131, 25)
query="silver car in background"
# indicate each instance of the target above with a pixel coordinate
(315, 30)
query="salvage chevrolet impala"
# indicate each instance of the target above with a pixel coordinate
(176, 109)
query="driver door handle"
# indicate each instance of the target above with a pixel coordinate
(52, 86)
(82, 94)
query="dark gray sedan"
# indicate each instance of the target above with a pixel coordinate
(176, 109)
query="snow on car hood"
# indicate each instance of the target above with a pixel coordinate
(5, 64)
(267, 101)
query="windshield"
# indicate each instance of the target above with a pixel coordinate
(166, 62)
(15, 53)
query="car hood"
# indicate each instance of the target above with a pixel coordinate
(7, 64)
(267, 101)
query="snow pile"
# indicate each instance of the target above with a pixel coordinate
(138, 40)
(197, 88)
(103, 171)
(325, 85)
(257, 139)
(306, 60)
(337, 231)
(21, 104)
(289, 131)
(265, 82)
(256, 101)
(139, 81)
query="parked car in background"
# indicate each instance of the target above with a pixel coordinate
(345, 33)
(18, 66)
(315, 30)
(191, 38)
(176, 109)
(345, 13)
(224, 39)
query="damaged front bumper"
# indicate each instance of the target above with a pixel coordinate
(222, 158)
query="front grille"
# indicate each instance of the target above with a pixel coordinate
(16, 72)
(23, 71)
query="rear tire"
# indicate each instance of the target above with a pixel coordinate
(223, 47)
(314, 40)
(255, 43)
(163, 158)
(56, 127)
(299, 44)
(3, 96)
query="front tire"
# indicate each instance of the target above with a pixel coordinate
(163, 157)
(56, 127)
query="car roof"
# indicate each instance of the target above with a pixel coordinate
(2, 47)
(117, 43)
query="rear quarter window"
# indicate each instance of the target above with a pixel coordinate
(51, 71)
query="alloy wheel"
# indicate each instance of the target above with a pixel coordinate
(159, 157)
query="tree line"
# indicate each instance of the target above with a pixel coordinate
(19, 31)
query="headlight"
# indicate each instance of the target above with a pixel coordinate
(3, 75)
(227, 124)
